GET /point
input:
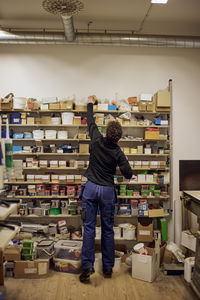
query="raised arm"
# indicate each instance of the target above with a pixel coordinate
(92, 127)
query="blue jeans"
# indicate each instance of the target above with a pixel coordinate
(95, 196)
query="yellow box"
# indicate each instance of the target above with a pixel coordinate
(163, 99)
(54, 106)
(126, 122)
(152, 135)
(66, 104)
(150, 106)
(83, 148)
(140, 149)
(126, 150)
(46, 120)
(77, 121)
(23, 115)
(23, 122)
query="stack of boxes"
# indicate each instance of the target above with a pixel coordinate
(28, 252)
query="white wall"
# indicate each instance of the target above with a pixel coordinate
(37, 71)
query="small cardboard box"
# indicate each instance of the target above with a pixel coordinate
(44, 106)
(163, 99)
(62, 163)
(81, 107)
(139, 149)
(156, 213)
(46, 120)
(150, 106)
(188, 240)
(12, 253)
(142, 106)
(54, 106)
(38, 268)
(81, 136)
(146, 267)
(144, 230)
(66, 104)
(23, 121)
(152, 135)
(30, 121)
(83, 148)
(77, 121)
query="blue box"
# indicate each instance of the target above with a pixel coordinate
(18, 135)
(3, 134)
(157, 122)
(17, 148)
(15, 118)
(112, 107)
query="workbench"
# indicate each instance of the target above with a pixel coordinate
(192, 202)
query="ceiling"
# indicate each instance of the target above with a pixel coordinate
(177, 17)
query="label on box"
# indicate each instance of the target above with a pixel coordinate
(42, 268)
(30, 271)
(144, 232)
(62, 177)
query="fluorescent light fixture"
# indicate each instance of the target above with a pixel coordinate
(159, 1)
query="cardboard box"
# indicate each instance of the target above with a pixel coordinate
(66, 104)
(142, 106)
(81, 107)
(38, 268)
(77, 121)
(146, 267)
(188, 240)
(44, 106)
(156, 213)
(6, 105)
(152, 135)
(144, 230)
(81, 136)
(163, 99)
(46, 120)
(150, 106)
(12, 253)
(54, 106)
(83, 148)
(23, 121)
(139, 149)
(30, 121)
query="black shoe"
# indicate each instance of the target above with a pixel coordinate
(85, 276)
(107, 273)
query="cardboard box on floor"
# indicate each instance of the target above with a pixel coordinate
(146, 267)
(38, 268)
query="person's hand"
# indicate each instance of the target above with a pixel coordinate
(91, 99)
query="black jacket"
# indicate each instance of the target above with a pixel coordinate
(104, 156)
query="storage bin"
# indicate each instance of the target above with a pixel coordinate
(68, 250)
(18, 135)
(45, 249)
(67, 118)
(15, 118)
(67, 266)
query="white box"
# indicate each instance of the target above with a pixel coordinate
(50, 100)
(141, 177)
(145, 97)
(62, 177)
(164, 122)
(188, 240)
(53, 163)
(149, 178)
(146, 267)
(102, 106)
(137, 163)
(44, 106)
(147, 150)
(62, 163)
(135, 108)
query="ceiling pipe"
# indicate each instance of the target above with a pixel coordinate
(99, 39)
(68, 28)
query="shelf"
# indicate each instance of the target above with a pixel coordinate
(6, 235)
(6, 211)
(86, 140)
(83, 169)
(49, 182)
(76, 197)
(77, 216)
(84, 111)
(79, 154)
(79, 126)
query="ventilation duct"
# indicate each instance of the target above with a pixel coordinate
(66, 9)
(50, 38)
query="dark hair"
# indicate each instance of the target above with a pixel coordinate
(114, 131)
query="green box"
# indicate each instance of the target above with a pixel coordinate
(145, 193)
(163, 227)
(27, 250)
(55, 211)
(27, 243)
(152, 187)
(129, 192)
(119, 178)
(157, 193)
(122, 193)
(122, 187)
(144, 172)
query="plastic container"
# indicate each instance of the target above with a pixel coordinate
(67, 118)
(67, 266)
(55, 211)
(68, 250)
(27, 243)
(117, 232)
(45, 249)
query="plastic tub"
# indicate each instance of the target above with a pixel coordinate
(67, 266)
(68, 250)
